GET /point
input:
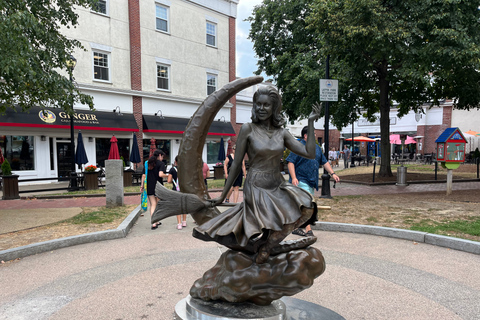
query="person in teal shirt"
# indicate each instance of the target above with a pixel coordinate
(304, 174)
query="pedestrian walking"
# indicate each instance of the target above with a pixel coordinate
(173, 179)
(304, 174)
(346, 156)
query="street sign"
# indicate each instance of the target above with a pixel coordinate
(328, 90)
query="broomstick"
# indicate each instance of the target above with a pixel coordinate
(173, 203)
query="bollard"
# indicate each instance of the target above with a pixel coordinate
(478, 162)
(325, 185)
(402, 176)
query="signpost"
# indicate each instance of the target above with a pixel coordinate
(328, 92)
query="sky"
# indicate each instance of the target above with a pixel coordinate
(245, 59)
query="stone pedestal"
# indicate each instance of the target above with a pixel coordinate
(196, 309)
(286, 308)
(114, 183)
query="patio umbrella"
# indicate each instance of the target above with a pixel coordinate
(1, 156)
(80, 154)
(221, 151)
(114, 154)
(471, 140)
(153, 147)
(135, 154)
(25, 151)
(361, 139)
(473, 133)
(395, 139)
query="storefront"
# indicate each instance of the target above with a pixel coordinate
(37, 142)
(168, 131)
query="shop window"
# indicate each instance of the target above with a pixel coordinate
(212, 151)
(19, 151)
(102, 149)
(160, 144)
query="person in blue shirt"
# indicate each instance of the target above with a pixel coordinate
(304, 174)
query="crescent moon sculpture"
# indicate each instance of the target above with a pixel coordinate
(190, 175)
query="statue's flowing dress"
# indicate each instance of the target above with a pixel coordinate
(269, 202)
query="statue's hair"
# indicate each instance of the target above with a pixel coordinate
(277, 117)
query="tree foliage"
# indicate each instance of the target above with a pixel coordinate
(287, 53)
(401, 53)
(33, 54)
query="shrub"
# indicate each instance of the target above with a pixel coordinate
(6, 169)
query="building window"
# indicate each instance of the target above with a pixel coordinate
(163, 77)
(101, 68)
(19, 151)
(212, 151)
(160, 144)
(211, 34)
(211, 83)
(102, 149)
(100, 7)
(162, 18)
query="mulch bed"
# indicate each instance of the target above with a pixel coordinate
(411, 178)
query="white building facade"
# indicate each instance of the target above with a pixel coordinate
(148, 65)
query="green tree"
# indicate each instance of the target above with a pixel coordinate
(287, 52)
(33, 54)
(388, 53)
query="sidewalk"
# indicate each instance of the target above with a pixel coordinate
(144, 275)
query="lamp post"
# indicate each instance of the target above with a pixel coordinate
(71, 63)
(352, 165)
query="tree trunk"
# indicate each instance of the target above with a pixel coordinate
(385, 168)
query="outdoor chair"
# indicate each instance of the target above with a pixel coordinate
(101, 177)
(81, 180)
(137, 175)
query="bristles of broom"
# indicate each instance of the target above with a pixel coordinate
(172, 203)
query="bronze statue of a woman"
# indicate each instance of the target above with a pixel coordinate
(272, 207)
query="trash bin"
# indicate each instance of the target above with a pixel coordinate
(402, 176)
(127, 177)
(218, 172)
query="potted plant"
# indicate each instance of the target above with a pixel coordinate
(91, 177)
(10, 182)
